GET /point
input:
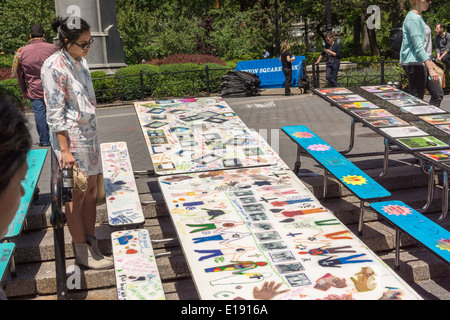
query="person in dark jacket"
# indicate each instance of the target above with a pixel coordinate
(332, 54)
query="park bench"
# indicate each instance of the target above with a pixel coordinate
(137, 275)
(6, 257)
(35, 161)
(432, 236)
(122, 199)
(349, 175)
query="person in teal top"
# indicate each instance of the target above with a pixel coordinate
(413, 56)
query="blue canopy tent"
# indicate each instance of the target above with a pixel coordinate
(270, 71)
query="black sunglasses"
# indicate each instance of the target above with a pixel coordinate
(86, 45)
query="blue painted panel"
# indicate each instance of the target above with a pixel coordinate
(6, 251)
(270, 71)
(417, 225)
(363, 186)
(35, 159)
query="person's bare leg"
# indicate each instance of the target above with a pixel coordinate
(74, 219)
(89, 207)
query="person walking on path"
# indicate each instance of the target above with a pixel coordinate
(413, 57)
(69, 95)
(27, 67)
(286, 61)
(442, 45)
(332, 54)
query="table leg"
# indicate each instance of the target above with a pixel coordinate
(361, 217)
(386, 159)
(298, 163)
(352, 138)
(325, 175)
(397, 248)
(444, 197)
(430, 194)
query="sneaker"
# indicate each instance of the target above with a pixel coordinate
(44, 144)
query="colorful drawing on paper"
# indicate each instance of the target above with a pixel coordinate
(398, 132)
(407, 102)
(254, 228)
(437, 119)
(200, 134)
(359, 105)
(137, 274)
(444, 127)
(372, 113)
(421, 142)
(393, 95)
(441, 155)
(386, 122)
(122, 198)
(347, 98)
(418, 110)
(374, 89)
(333, 91)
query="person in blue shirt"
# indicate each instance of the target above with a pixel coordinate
(413, 56)
(266, 54)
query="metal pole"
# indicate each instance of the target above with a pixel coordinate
(58, 220)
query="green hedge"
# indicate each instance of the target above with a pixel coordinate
(129, 83)
(103, 86)
(12, 87)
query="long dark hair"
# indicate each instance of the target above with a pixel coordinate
(15, 139)
(69, 28)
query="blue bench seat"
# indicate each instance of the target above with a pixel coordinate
(434, 237)
(347, 173)
(6, 257)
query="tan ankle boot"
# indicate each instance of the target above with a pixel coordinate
(93, 242)
(84, 255)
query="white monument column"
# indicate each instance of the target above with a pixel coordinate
(106, 51)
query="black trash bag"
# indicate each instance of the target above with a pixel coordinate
(240, 83)
(304, 84)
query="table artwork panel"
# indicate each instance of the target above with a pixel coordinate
(350, 175)
(375, 89)
(122, 197)
(198, 134)
(417, 225)
(420, 110)
(398, 132)
(244, 229)
(372, 113)
(137, 274)
(334, 91)
(386, 122)
(424, 142)
(437, 119)
(440, 155)
(6, 252)
(359, 105)
(346, 98)
(35, 161)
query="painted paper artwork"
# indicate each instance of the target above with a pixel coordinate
(417, 110)
(398, 132)
(437, 119)
(359, 105)
(386, 122)
(330, 91)
(379, 88)
(137, 274)
(199, 135)
(444, 127)
(347, 98)
(372, 113)
(247, 228)
(407, 102)
(122, 198)
(441, 155)
(393, 95)
(422, 142)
